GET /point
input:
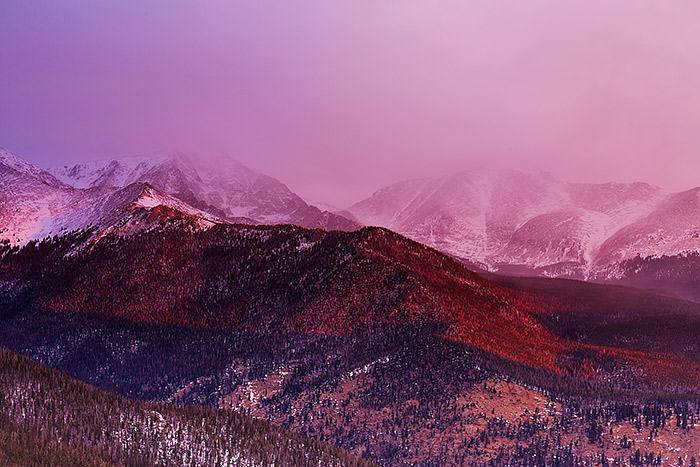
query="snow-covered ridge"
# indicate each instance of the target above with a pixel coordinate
(115, 173)
(151, 197)
(119, 211)
(535, 222)
(223, 187)
(14, 162)
(30, 196)
(34, 204)
(505, 221)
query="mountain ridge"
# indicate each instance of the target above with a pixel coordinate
(223, 187)
(35, 203)
(127, 210)
(289, 279)
(534, 224)
(30, 197)
(502, 221)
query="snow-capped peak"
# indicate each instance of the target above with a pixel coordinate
(507, 217)
(223, 187)
(150, 197)
(16, 163)
(117, 172)
(126, 210)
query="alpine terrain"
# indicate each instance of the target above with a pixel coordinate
(533, 224)
(35, 203)
(223, 187)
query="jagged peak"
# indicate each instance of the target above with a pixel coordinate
(19, 164)
(144, 195)
(128, 209)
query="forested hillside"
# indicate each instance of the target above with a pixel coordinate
(289, 279)
(47, 418)
(367, 340)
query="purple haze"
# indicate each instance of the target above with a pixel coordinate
(337, 98)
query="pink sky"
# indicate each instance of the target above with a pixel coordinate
(337, 98)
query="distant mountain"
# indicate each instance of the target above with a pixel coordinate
(223, 187)
(673, 227)
(127, 210)
(30, 197)
(35, 203)
(533, 224)
(335, 210)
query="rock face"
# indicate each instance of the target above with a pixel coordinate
(522, 223)
(224, 188)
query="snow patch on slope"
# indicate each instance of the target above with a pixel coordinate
(14, 162)
(120, 211)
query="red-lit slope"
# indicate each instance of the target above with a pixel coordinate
(420, 285)
(291, 279)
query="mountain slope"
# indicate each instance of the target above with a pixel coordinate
(136, 206)
(614, 316)
(283, 278)
(60, 420)
(287, 279)
(505, 220)
(367, 340)
(672, 228)
(224, 187)
(30, 197)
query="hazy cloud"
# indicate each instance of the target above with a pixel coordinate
(337, 98)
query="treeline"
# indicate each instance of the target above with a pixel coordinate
(47, 418)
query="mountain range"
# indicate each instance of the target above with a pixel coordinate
(289, 279)
(36, 203)
(149, 279)
(223, 187)
(502, 221)
(366, 339)
(533, 224)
